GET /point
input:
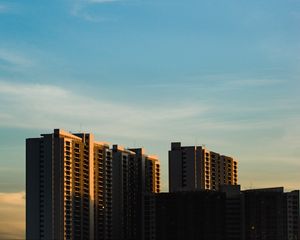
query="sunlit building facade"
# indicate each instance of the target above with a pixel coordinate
(103, 190)
(68, 187)
(77, 188)
(196, 168)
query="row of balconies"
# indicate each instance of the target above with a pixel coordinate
(100, 167)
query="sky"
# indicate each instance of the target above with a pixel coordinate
(224, 74)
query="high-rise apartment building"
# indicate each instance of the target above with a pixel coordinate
(195, 168)
(103, 190)
(150, 168)
(77, 188)
(68, 187)
(136, 179)
(124, 170)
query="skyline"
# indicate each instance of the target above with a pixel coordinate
(146, 73)
(77, 187)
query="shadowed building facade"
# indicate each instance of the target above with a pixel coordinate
(229, 214)
(191, 215)
(136, 179)
(293, 228)
(234, 212)
(196, 168)
(202, 214)
(271, 214)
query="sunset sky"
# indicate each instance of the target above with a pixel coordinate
(144, 73)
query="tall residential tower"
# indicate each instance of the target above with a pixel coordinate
(136, 179)
(68, 187)
(196, 168)
(77, 188)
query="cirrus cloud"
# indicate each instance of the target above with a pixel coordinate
(3, 8)
(37, 106)
(80, 8)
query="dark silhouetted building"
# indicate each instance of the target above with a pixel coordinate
(234, 213)
(196, 168)
(229, 214)
(271, 214)
(191, 215)
(293, 227)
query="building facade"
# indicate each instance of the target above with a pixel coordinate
(191, 215)
(228, 214)
(68, 187)
(136, 180)
(271, 214)
(196, 168)
(77, 188)
(103, 191)
(293, 226)
(124, 170)
(234, 212)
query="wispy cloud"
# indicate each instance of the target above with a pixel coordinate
(81, 9)
(12, 58)
(217, 82)
(102, 1)
(13, 199)
(3, 8)
(46, 106)
(12, 215)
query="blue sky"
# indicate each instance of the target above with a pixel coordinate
(145, 73)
